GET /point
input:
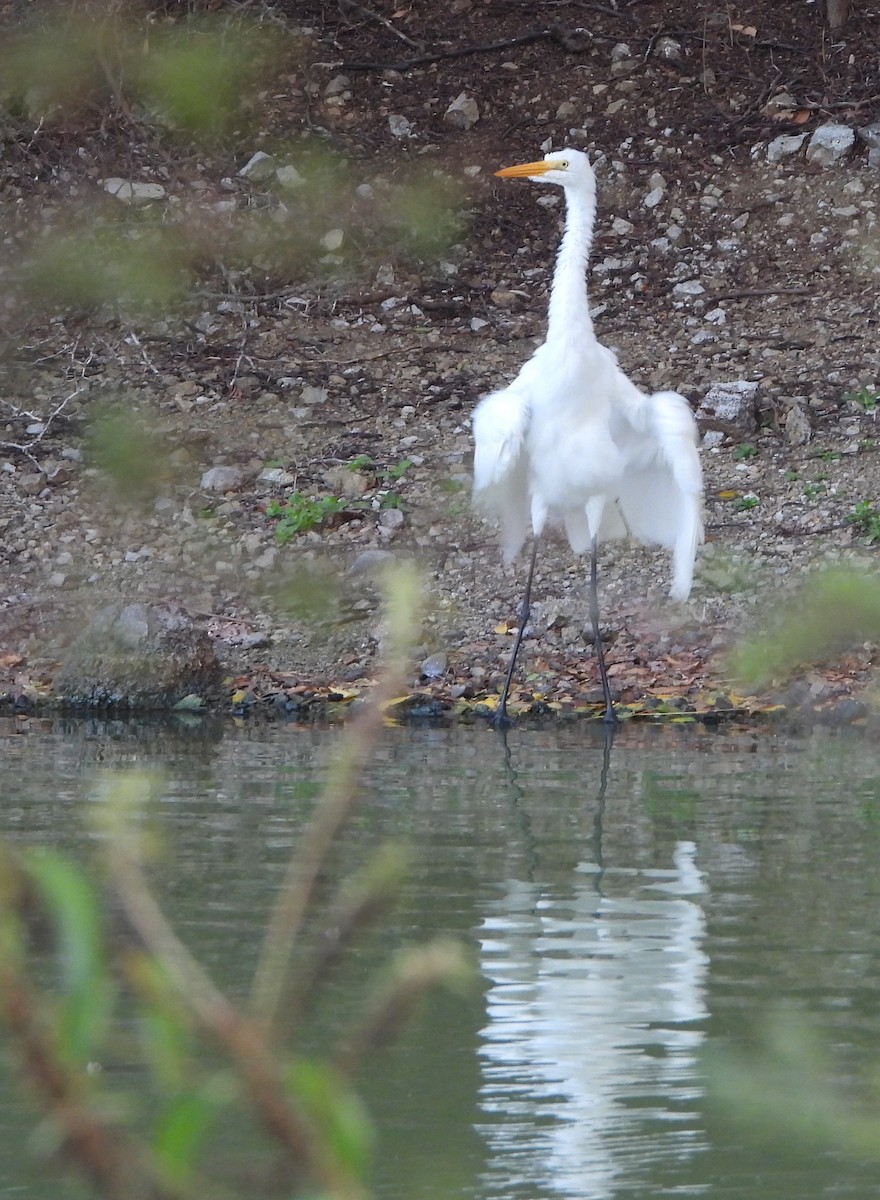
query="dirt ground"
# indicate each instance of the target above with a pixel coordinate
(353, 379)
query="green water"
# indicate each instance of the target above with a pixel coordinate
(721, 884)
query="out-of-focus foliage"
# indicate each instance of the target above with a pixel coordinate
(197, 75)
(208, 1065)
(134, 460)
(784, 1094)
(835, 609)
(142, 93)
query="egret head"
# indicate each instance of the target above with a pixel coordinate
(568, 168)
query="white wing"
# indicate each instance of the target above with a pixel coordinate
(661, 495)
(500, 422)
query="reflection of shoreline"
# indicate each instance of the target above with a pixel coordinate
(590, 1037)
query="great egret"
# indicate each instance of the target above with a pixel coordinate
(573, 441)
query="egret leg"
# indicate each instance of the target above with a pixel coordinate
(501, 717)
(610, 717)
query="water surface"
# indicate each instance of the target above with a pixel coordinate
(618, 933)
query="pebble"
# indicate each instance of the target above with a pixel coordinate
(222, 479)
(830, 144)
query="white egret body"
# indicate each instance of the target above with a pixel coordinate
(574, 442)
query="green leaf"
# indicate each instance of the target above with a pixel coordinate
(185, 1123)
(86, 987)
(336, 1110)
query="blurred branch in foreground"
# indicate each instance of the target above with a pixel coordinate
(206, 1059)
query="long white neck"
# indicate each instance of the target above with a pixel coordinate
(569, 307)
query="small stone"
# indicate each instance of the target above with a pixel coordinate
(134, 192)
(399, 126)
(289, 177)
(830, 144)
(32, 484)
(621, 226)
(391, 519)
(222, 479)
(259, 167)
(781, 103)
(690, 287)
(733, 404)
(870, 135)
(333, 239)
(344, 482)
(785, 146)
(337, 85)
(798, 430)
(313, 395)
(463, 112)
(371, 561)
(653, 197)
(503, 297)
(277, 476)
(669, 50)
(434, 666)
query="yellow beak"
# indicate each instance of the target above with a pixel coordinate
(526, 170)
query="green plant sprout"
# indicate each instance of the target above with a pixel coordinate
(746, 502)
(398, 470)
(866, 398)
(745, 450)
(866, 519)
(300, 513)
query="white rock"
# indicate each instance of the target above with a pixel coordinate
(259, 167)
(653, 197)
(463, 112)
(337, 85)
(277, 475)
(132, 192)
(717, 316)
(830, 144)
(690, 287)
(785, 146)
(333, 239)
(289, 177)
(733, 403)
(622, 227)
(222, 479)
(798, 430)
(434, 667)
(371, 561)
(399, 126)
(313, 395)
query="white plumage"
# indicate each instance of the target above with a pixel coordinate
(572, 441)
